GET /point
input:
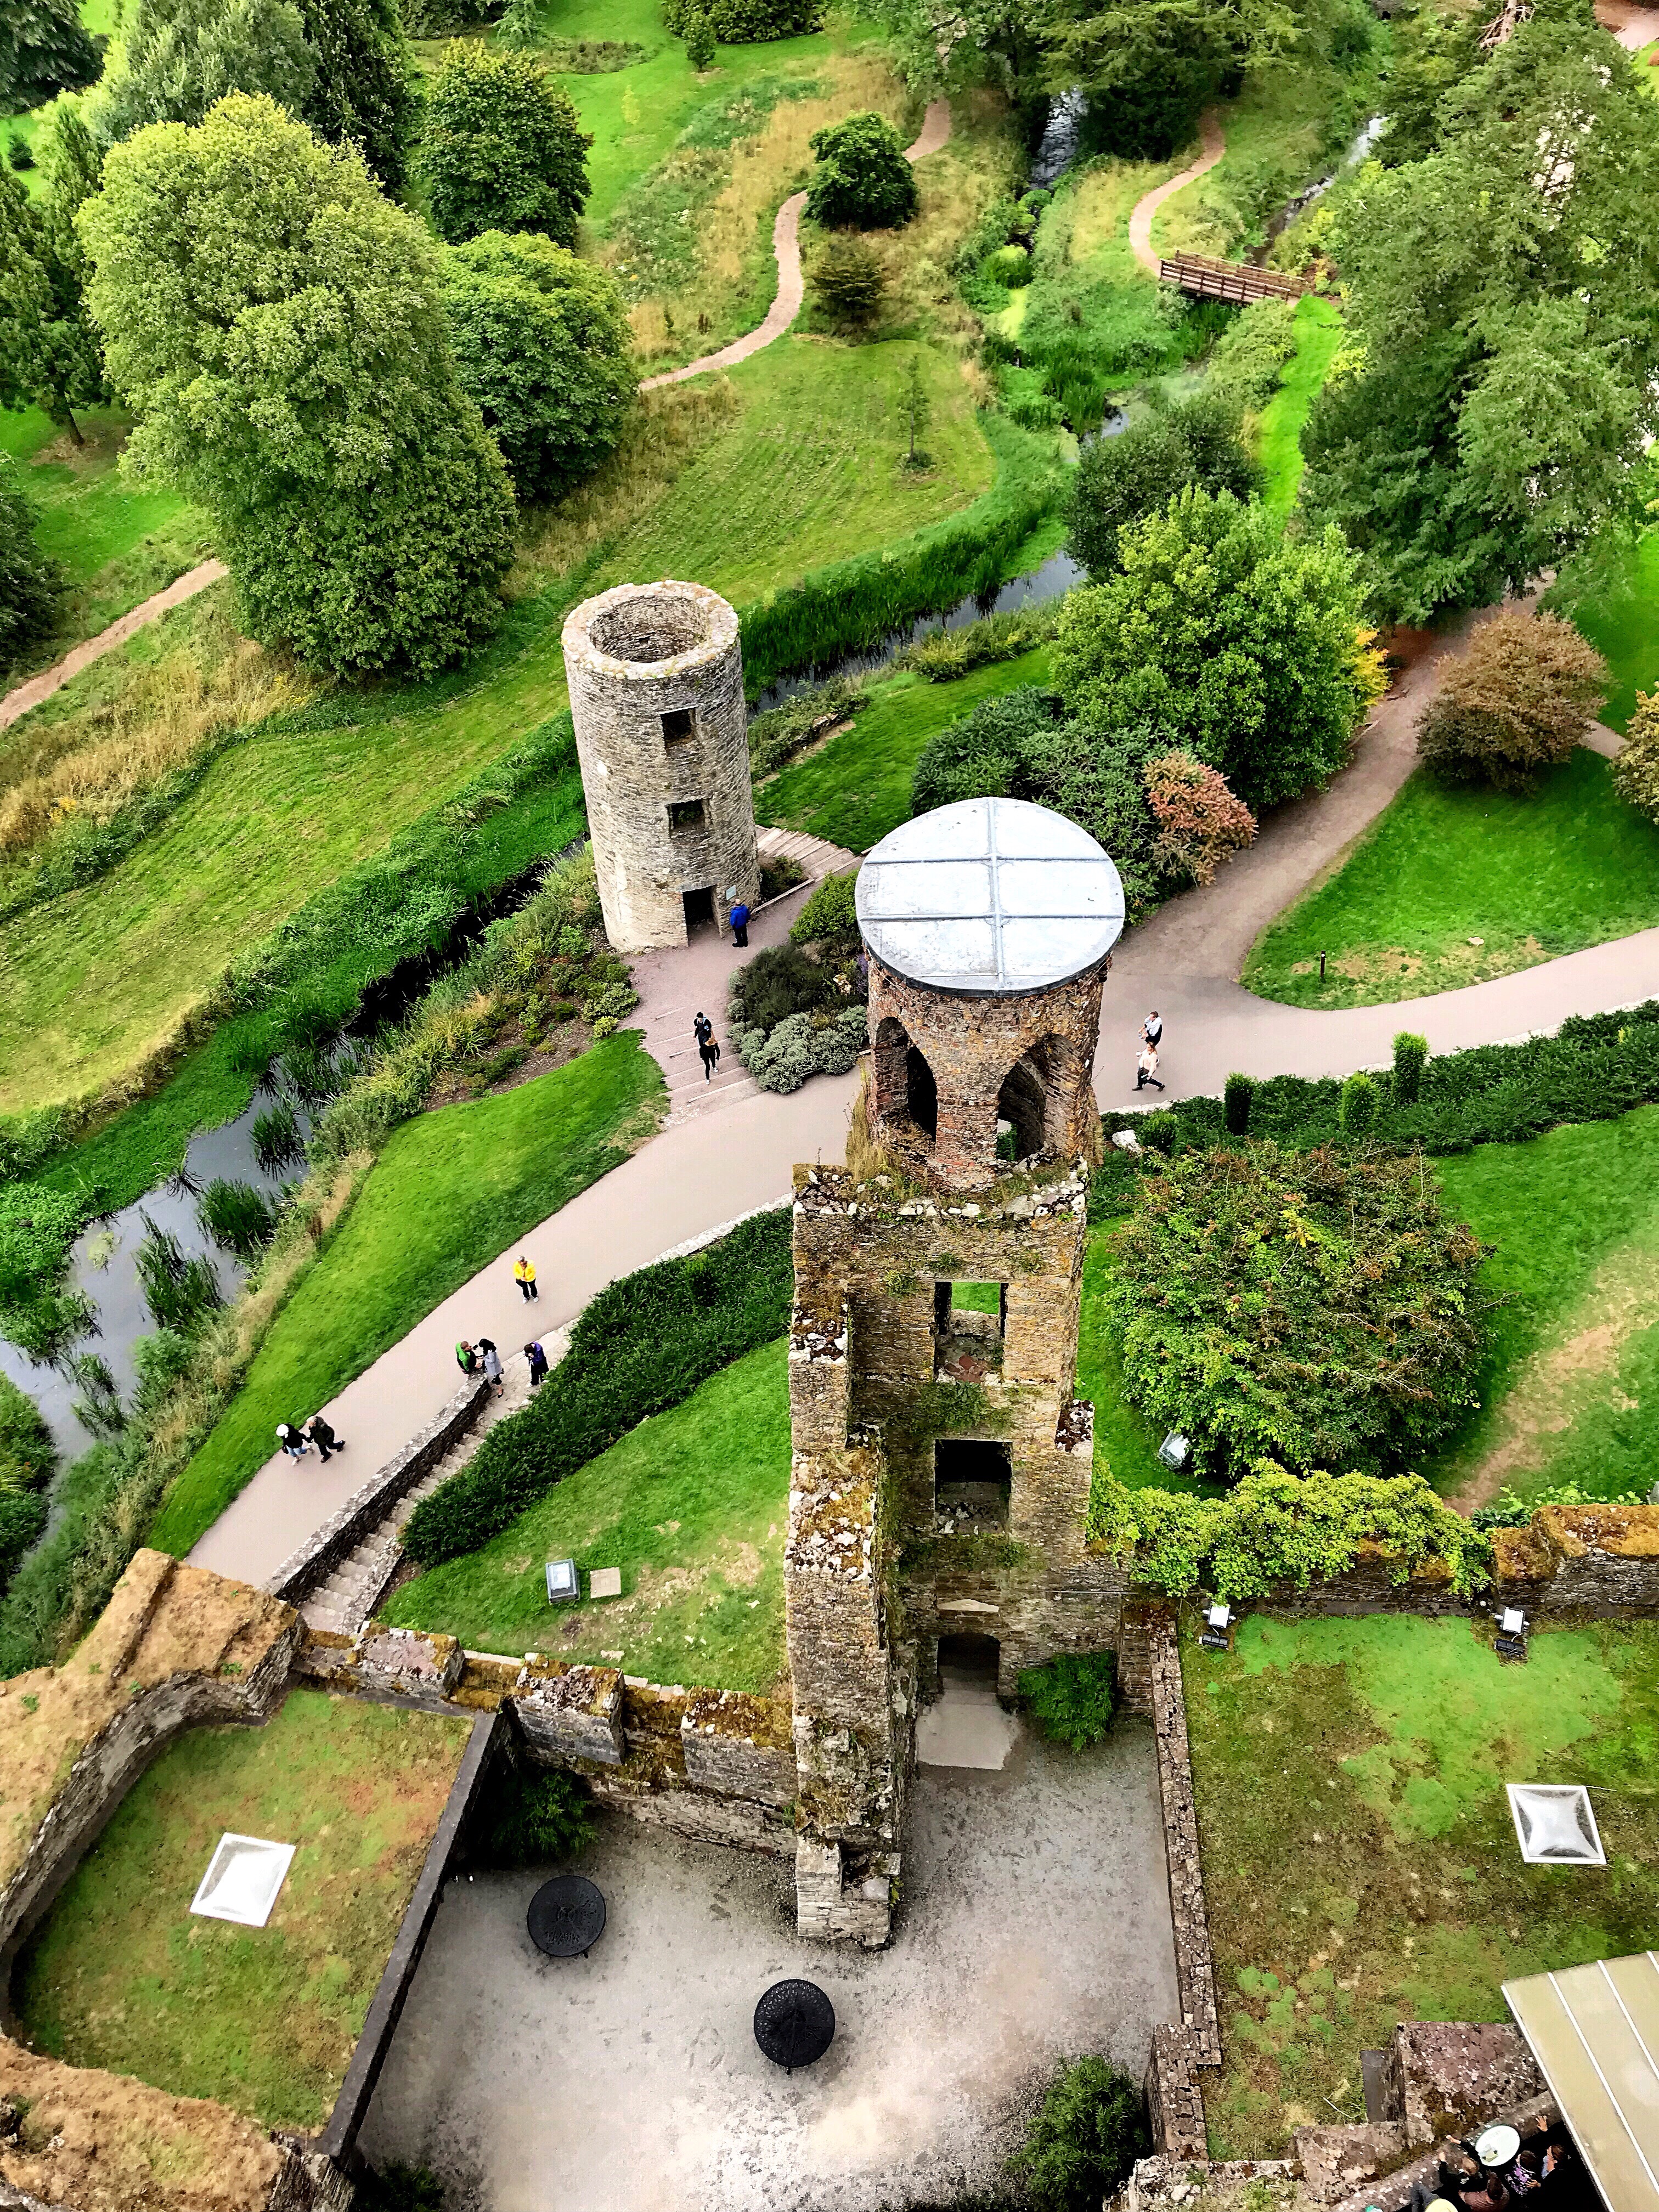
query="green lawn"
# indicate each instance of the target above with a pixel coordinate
(1360, 1864)
(451, 1190)
(115, 544)
(1532, 876)
(121, 1975)
(857, 787)
(1279, 449)
(1647, 63)
(1571, 1392)
(692, 1506)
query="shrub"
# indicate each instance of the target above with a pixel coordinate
(781, 732)
(541, 341)
(1636, 771)
(180, 1293)
(1080, 2145)
(945, 654)
(275, 1137)
(847, 281)
(1070, 1696)
(31, 588)
(1237, 1094)
(861, 179)
(776, 876)
(1009, 266)
(1121, 480)
(699, 41)
(1199, 820)
(1410, 1057)
(1237, 643)
(1519, 701)
(501, 147)
(829, 916)
(642, 1344)
(236, 1216)
(778, 983)
(1301, 1307)
(542, 1815)
(1250, 354)
(38, 1227)
(746, 22)
(802, 1045)
(28, 1461)
(1359, 1106)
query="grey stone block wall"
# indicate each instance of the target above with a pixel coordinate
(576, 1713)
(656, 695)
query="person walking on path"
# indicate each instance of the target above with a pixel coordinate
(465, 1357)
(319, 1432)
(739, 924)
(291, 1440)
(1152, 1029)
(524, 1274)
(537, 1358)
(703, 1029)
(710, 1049)
(492, 1365)
(1146, 1068)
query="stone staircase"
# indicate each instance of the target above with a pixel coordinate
(816, 857)
(352, 1592)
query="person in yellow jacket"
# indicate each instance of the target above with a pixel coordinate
(524, 1276)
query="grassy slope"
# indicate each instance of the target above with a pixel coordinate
(857, 787)
(1359, 1861)
(450, 1191)
(114, 545)
(122, 1976)
(1621, 620)
(1532, 876)
(1571, 1392)
(807, 470)
(1318, 334)
(692, 1506)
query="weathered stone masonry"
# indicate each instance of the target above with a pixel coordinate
(662, 734)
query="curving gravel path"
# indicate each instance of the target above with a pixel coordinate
(786, 248)
(26, 696)
(1140, 215)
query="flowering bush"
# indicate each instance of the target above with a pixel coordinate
(1199, 820)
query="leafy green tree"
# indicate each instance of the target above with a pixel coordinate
(275, 323)
(501, 147)
(862, 179)
(1228, 638)
(49, 355)
(44, 49)
(1504, 305)
(1137, 473)
(361, 95)
(1434, 47)
(1636, 771)
(941, 42)
(178, 57)
(1519, 701)
(848, 280)
(520, 25)
(29, 585)
(541, 342)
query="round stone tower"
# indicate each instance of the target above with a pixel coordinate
(989, 926)
(662, 734)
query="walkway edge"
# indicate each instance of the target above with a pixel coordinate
(39, 689)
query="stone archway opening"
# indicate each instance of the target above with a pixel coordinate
(920, 1093)
(1024, 1099)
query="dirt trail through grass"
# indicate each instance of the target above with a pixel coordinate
(39, 688)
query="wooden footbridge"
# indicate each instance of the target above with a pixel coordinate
(1238, 282)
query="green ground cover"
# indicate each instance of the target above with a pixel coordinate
(855, 789)
(115, 544)
(1569, 1392)
(692, 1506)
(1279, 449)
(1616, 604)
(1360, 1865)
(1531, 875)
(121, 1975)
(451, 1190)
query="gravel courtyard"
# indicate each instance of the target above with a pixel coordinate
(1034, 1926)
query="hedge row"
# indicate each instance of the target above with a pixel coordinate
(1596, 1068)
(641, 1345)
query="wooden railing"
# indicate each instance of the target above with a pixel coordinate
(1236, 281)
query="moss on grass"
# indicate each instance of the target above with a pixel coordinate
(451, 1190)
(692, 1506)
(122, 1975)
(1360, 1864)
(1531, 875)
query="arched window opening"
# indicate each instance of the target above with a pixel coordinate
(1022, 1101)
(920, 1093)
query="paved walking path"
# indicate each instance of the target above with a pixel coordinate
(1633, 27)
(26, 696)
(785, 249)
(1140, 215)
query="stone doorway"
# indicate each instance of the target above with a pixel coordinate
(699, 908)
(965, 1726)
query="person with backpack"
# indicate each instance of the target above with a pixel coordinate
(537, 1358)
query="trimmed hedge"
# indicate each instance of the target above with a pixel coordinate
(641, 1345)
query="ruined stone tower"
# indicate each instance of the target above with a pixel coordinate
(662, 734)
(941, 1458)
